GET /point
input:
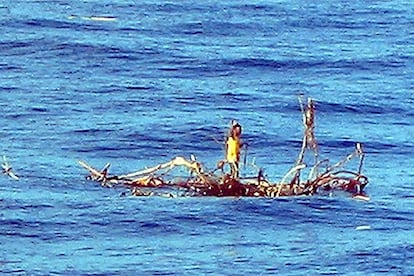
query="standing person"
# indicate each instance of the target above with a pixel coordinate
(233, 146)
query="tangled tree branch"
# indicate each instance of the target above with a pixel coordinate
(202, 182)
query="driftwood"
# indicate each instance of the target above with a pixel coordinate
(7, 169)
(158, 180)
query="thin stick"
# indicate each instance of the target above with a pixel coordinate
(342, 162)
(217, 140)
(292, 170)
(315, 167)
(301, 155)
(245, 155)
(361, 154)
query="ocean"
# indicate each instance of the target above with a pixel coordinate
(136, 83)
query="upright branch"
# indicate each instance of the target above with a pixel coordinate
(308, 140)
(309, 122)
(361, 154)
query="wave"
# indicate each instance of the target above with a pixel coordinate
(214, 29)
(294, 64)
(68, 24)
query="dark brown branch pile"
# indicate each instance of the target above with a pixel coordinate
(200, 182)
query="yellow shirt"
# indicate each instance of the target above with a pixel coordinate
(233, 150)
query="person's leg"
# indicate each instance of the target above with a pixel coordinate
(234, 170)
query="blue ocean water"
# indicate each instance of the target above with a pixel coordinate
(136, 83)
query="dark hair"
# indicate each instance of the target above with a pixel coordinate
(236, 126)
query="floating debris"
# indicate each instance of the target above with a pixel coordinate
(158, 180)
(7, 169)
(93, 18)
(362, 197)
(363, 227)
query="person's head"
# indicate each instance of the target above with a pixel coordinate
(236, 129)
